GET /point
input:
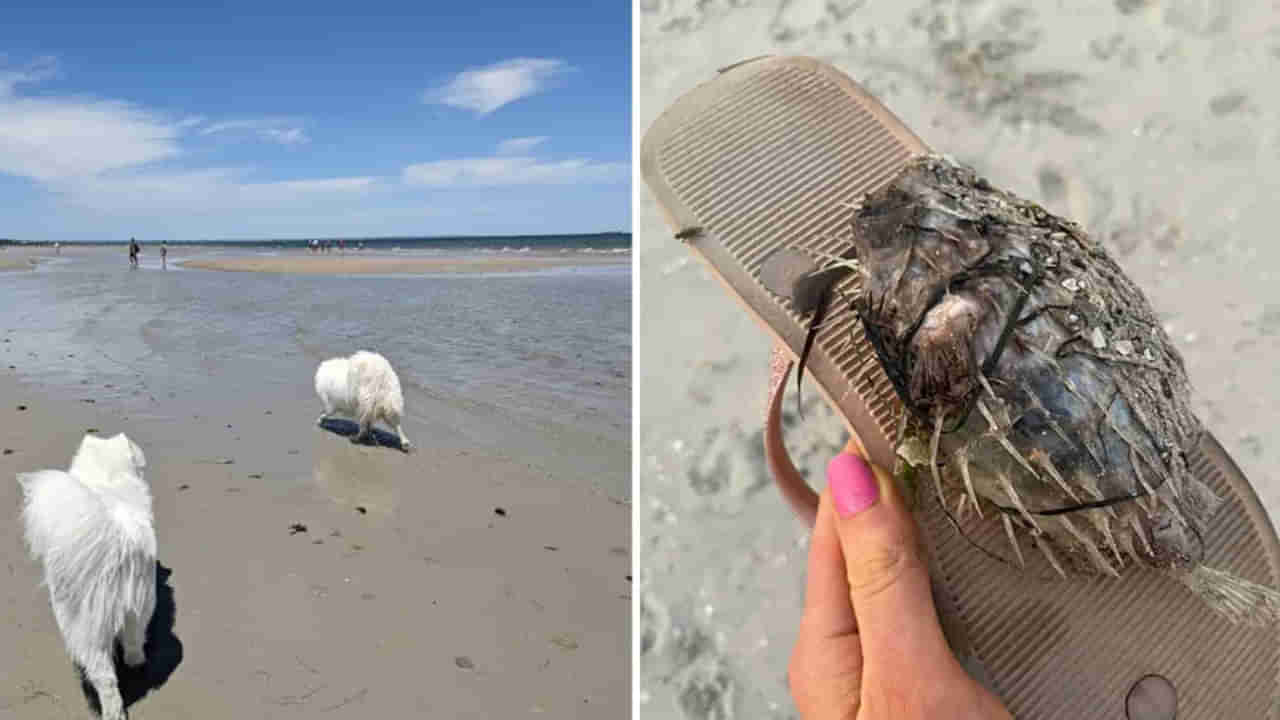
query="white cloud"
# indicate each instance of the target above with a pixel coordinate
(485, 89)
(287, 136)
(520, 145)
(229, 126)
(50, 138)
(105, 154)
(202, 191)
(325, 185)
(498, 171)
(106, 168)
(280, 130)
(53, 138)
(33, 73)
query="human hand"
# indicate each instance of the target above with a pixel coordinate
(870, 645)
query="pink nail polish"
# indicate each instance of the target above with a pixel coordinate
(853, 485)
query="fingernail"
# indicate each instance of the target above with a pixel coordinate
(853, 484)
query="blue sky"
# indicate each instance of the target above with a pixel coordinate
(271, 119)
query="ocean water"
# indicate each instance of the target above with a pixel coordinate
(593, 243)
(537, 361)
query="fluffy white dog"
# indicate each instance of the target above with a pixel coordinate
(362, 387)
(91, 529)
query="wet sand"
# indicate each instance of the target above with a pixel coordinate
(388, 264)
(12, 259)
(451, 582)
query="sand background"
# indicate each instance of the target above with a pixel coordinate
(302, 261)
(466, 579)
(1155, 124)
(16, 259)
(364, 263)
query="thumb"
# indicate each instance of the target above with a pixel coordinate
(888, 579)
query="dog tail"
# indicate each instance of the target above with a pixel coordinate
(98, 550)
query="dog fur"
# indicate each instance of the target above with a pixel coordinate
(365, 388)
(91, 529)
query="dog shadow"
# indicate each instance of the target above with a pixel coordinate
(163, 650)
(350, 429)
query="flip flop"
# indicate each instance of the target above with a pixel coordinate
(765, 158)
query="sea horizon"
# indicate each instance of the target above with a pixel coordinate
(599, 241)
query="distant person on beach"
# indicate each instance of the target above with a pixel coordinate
(342, 246)
(134, 249)
(57, 248)
(164, 253)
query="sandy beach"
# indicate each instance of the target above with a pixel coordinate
(487, 574)
(1150, 123)
(16, 259)
(386, 264)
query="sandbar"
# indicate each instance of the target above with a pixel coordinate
(390, 264)
(16, 260)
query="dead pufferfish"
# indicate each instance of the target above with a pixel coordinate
(1038, 371)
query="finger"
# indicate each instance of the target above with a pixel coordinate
(827, 610)
(885, 570)
(825, 673)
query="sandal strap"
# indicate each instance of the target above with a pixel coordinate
(801, 497)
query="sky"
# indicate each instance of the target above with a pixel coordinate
(292, 120)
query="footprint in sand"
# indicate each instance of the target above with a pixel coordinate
(350, 478)
(686, 658)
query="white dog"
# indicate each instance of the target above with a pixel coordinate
(362, 387)
(91, 528)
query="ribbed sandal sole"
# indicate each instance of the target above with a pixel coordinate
(768, 155)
